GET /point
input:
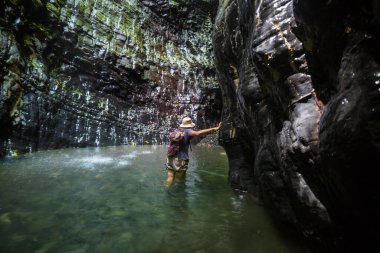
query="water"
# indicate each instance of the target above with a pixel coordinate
(114, 199)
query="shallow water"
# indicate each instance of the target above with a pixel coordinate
(114, 199)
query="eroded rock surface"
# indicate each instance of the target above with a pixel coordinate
(301, 114)
(99, 72)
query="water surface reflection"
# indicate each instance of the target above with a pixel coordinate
(115, 199)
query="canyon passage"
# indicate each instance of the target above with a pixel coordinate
(295, 84)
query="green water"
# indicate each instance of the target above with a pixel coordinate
(115, 200)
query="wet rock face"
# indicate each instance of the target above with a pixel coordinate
(99, 72)
(301, 114)
(345, 67)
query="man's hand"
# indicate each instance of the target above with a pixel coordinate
(218, 127)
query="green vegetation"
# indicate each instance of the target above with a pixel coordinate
(15, 153)
(54, 8)
(77, 91)
(127, 18)
(40, 28)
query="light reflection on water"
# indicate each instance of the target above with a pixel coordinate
(114, 199)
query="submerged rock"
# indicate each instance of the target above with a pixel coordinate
(5, 218)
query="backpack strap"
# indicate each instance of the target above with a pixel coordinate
(187, 135)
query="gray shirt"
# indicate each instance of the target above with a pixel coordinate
(183, 153)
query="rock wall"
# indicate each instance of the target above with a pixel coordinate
(99, 72)
(344, 63)
(301, 110)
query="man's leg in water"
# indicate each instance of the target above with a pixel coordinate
(180, 176)
(176, 170)
(170, 178)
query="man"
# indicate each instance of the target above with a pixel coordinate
(177, 165)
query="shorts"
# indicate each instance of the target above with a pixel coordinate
(175, 164)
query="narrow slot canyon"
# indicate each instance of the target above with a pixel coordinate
(91, 90)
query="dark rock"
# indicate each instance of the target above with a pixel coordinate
(300, 107)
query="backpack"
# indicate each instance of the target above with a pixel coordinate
(176, 139)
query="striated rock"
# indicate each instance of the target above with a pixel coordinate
(300, 110)
(88, 73)
(270, 110)
(344, 63)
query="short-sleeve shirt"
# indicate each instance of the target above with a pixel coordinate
(183, 153)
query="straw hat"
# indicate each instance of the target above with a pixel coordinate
(187, 123)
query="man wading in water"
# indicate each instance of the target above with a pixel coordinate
(177, 163)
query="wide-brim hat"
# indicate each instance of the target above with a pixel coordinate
(187, 123)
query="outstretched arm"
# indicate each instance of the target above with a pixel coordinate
(205, 131)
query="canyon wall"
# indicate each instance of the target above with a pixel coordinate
(300, 86)
(81, 73)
